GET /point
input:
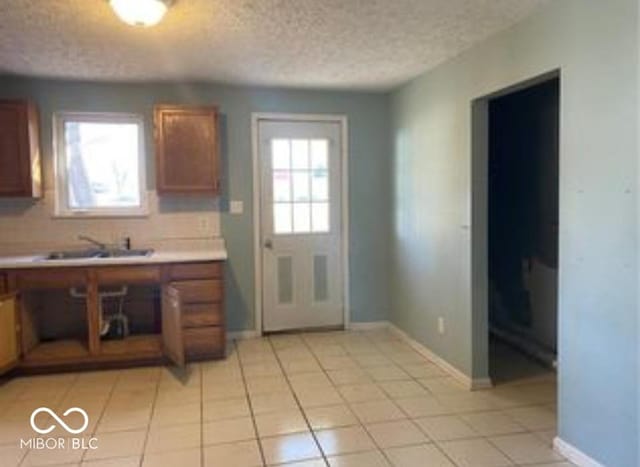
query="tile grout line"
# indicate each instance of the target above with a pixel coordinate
(106, 403)
(295, 396)
(411, 420)
(248, 398)
(346, 402)
(539, 435)
(104, 409)
(458, 415)
(153, 409)
(58, 402)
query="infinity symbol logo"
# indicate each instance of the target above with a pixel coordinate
(59, 420)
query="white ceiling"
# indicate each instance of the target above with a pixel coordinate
(349, 44)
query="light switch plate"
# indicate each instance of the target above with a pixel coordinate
(236, 207)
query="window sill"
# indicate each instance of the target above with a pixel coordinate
(100, 215)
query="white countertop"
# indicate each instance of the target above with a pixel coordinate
(157, 257)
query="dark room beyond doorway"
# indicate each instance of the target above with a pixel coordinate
(523, 222)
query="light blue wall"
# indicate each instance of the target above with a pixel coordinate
(595, 46)
(368, 115)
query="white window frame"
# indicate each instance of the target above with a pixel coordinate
(62, 208)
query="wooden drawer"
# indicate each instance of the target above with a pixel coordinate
(124, 275)
(50, 279)
(206, 291)
(191, 271)
(4, 284)
(202, 314)
(204, 342)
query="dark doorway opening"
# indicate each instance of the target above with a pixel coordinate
(523, 231)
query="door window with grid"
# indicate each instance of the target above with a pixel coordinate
(301, 194)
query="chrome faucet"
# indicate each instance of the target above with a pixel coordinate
(86, 238)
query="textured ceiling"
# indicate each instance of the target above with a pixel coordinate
(350, 44)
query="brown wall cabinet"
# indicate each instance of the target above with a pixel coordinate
(187, 150)
(20, 172)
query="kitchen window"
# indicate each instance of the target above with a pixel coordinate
(100, 165)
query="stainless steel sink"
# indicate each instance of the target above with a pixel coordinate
(124, 253)
(96, 254)
(77, 254)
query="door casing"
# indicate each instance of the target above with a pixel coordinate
(256, 118)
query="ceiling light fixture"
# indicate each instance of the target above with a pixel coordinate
(143, 13)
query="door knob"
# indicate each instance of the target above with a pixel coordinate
(268, 243)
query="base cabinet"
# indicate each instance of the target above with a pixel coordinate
(183, 323)
(204, 343)
(196, 297)
(9, 350)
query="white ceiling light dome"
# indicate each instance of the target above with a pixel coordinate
(143, 13)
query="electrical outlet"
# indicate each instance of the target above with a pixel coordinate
(441, 325)
(236, 207)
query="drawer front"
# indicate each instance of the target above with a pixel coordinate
(51, 279)
(185, 272)
(206, 291)
(128, 275)
(204, 342)
(202, 314)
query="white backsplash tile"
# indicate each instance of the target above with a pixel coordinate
(173, 223)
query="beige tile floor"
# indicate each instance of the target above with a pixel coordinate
(338, 399)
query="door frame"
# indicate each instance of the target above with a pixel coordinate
(479, 205)
(342, 120)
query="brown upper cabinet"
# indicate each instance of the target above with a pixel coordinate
(187, 150)
(20, 172)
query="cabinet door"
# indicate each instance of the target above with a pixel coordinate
(9, 354)
(19, 150)
(187, 155)
(172, 325)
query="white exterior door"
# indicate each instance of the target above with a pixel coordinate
(301, 231)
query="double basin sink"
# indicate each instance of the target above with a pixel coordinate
(96, 254)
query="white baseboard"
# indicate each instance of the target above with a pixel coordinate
(369, 325)
(442, 363)
(573, 454)
(481, 383)
(469, 383)
(240, 335)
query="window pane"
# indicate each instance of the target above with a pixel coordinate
(301, 182)
(300, 153)
(319, 154)
(282, 218)
(320, 214)
(280, 154)
(281, 185)
(102, 161)
(301, 218)
(320, 185)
